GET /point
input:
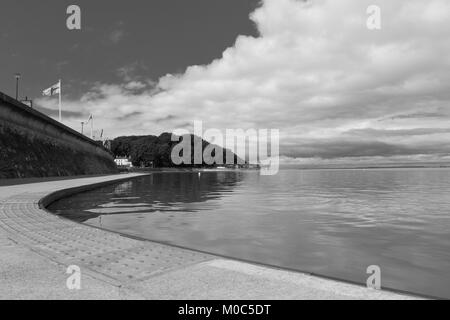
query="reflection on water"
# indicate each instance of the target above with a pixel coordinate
(329, 222)
(169, 192)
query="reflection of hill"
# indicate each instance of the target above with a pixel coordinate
(157, 192)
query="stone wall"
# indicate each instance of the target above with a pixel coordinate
(34, 145)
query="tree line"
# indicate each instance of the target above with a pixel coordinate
(155, 151)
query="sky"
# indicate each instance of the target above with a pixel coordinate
(336, 90)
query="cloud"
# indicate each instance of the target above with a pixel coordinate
(53, 112)
(332, 87)
(417, 115)
(127, 72)
(350, 148)
(367, 133)
(116, 36)
(167, 118)
(135, 85)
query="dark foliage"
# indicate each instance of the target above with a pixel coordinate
(155, 151)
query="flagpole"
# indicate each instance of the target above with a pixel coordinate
(92, 126)
(60, 92)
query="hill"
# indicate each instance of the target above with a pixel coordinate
(153, 151)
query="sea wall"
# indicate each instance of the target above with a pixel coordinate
(34, 145)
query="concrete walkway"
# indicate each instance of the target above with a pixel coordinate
(37, 247)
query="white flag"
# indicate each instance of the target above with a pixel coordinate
(55, 89)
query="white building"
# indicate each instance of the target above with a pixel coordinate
(123, 162)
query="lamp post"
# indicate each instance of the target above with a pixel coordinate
(17, 75)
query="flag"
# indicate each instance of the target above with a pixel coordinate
(55, 89)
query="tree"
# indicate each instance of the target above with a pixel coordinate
(151, 150)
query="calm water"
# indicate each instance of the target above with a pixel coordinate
(329, 222)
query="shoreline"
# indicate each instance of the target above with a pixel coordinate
(130, 268)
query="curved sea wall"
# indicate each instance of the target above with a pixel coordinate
(34, 145)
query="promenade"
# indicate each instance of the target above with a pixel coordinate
(37, 247)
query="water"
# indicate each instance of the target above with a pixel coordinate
(328, 222)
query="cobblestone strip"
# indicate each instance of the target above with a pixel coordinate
(118, 258)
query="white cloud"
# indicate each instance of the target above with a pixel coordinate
(316, 73)
(135, 85)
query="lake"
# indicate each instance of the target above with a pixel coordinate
(333, 223)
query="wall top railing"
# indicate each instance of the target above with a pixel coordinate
(23, 108)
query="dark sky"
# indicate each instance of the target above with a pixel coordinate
(151, 38)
